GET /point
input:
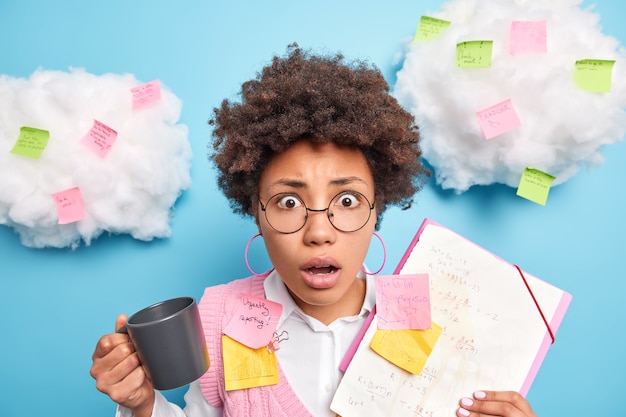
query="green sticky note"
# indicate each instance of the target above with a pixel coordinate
(474, 54)
(31, 142)
(594, 75)
(429, 28)
(535, 185)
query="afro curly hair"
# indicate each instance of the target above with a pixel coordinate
(321, 99)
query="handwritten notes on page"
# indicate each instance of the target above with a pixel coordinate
(535, 185)
(254, 321)
(498, 119)
(31, 142)
(493, 336)
(403, 302)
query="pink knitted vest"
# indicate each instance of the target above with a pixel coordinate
(216, 307)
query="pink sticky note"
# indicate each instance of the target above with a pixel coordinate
(254, 321)
(99, 139)
(70, 206)
(145, 94)
(498, 119)
(528, 37)
(403, 302)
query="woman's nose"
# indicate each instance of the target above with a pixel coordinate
(318, 228)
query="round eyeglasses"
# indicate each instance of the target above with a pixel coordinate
(348, 211)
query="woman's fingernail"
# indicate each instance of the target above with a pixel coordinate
(467, 402)
(464, 412)
(480, 395)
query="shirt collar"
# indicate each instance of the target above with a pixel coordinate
(275, 290)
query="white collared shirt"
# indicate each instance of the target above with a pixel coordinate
(309, 355)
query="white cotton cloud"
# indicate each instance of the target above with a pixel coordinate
(563, 127)
(131, 190)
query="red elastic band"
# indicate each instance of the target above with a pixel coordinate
(536, 303)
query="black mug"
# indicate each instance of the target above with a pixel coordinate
(169, 340)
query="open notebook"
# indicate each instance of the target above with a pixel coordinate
(495, 332)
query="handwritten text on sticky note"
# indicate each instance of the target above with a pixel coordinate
(535, 185)
(429, 28)
(69, 204)
(100, 138)
(31, 142)
(146, 93)
(474, 54)
(594, 75)
(254, 321)
(528, 37)
(408, 349)
(498, 119)
(403, 301)
(247, 368)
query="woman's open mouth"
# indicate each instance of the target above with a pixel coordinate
(321, 273)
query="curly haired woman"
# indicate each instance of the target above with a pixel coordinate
(315, 152)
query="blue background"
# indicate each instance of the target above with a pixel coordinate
(55, 304)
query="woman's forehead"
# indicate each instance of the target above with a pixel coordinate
(305, 164)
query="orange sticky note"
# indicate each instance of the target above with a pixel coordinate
(99, 139)
(69, 205)
(407, 349)
(254, 321)
(403, 302)
(247, 368)
(498, 119)
(145, 94)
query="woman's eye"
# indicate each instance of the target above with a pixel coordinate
(348, 201)
(289, 202)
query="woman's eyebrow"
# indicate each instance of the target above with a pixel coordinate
(347, 180)
(289, 182)
(299, 184)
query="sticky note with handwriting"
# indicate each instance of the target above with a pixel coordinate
(408, 349)
(528, 37)
(31, 142)
(69, 204)
(403, 302)
(245, 367)
(145, 94)
(535, 185)
(474, 54)
(429, 28)
(99, 139)
(254, 321)
(498, 119)
(594, 75)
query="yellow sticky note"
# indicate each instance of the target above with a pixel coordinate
(594, 75)
(535, 185)
(429, 28)
(474, 54)
(245, 367)
(407, 349)
(31, 142)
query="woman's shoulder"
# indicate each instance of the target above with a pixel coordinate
(252, 285)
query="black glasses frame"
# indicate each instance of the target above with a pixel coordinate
(329, 213)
